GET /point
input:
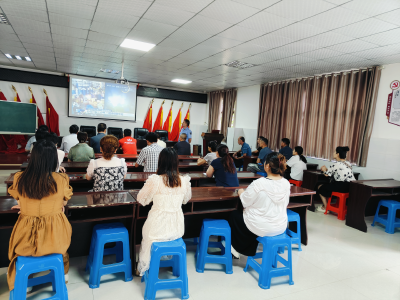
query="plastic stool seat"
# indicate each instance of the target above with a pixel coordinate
(340, 207)
(216, 228)
(296, 182)
(104, 234)
(29, 265)
(177, 248)
(389, 220)
(270, 258)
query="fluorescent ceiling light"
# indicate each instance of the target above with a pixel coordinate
(18, 57)
(28, 58)
(127, 43)
(181, 81)
(9, 56)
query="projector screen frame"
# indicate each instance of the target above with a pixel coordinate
(134, 85)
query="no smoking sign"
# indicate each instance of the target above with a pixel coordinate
(395, 84)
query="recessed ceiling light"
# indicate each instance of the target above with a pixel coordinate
(3, 19)
(18, 57)
(181, 81)
(9, 56)
(27, 58)
(109, 71)
(239, 65)
(127, 43)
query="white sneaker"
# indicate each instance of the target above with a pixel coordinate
(29, 289)
(235, 253)
(66, 278)
(320, 209)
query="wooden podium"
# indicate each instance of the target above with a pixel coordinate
(208, 137)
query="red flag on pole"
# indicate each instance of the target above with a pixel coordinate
(39, 114)
(16, 98)
(168, 122)
(51, 116)
(148, 120)
(2, 97)
(158, 123)
(176, 127)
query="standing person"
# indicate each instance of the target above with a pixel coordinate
(70, 140)
(95, 140)
(264, 208)
(341, 173)
(259, 166)
(42, 227)
(82, 151)
(32, 140)
(185, 129)
(285, 149)
(297, 165)
(108, 171)
(223, 168)
(257, 151)
(182, 147)
(212, 148)
(148, 157)
(128, 143)
(161, 143)
(168, 191)
(245, 151)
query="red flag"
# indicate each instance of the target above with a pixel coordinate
(16, 98)
(168, 124)
(52, 117)
(2, 97)
(158, 123)
(148, 121)
(39, 114)
(176, 128)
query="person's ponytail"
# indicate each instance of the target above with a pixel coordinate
(277, 163)
(226, 159)
(299, 151)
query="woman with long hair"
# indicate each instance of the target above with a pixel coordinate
(341, 175)
(168, 190)
(297, 164)
(223, 168)
(264, 202)
(212, 148)
(108, 171)
(42, 228)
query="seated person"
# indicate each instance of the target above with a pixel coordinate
(206, 160)
(245, 151)
(108, 171)
(297, 165)
(32, 140)
(70, 140)
(341, 174)
(160, 142)
(148, 157)
(259, 166)
(182, 147)
(81, 152)
(168, 191)
(257, 151)
(285, 149)
(42, 227)
(128, 143)
(223, 168)
(60, 154)
(95, 140)
(265, 202)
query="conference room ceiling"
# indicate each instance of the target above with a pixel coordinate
(196, 38)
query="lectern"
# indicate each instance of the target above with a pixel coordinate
(208, 137)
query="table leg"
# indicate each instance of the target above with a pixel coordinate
(302, 211)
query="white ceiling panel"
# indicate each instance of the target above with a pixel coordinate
(328, 39)
(299, 9)
(27, 14)
(43, 51)
(298, 47)
(391, 17)
(322, 53)
(155, 27)
(30, 36)
(69, 31)
(23, 63)
(102, 46)
(104, 38)
(240, 33)
(11, 43)
(266, 22)
(69, 21)
(298, 31)
(220, 42)
(6, 29)
(13, 50)
(193, 6)
(109, 29)
(67, 40)
(384, 38)
(271, 41)
(228, 11)
(80, 11)
(259, 4)
(250, 49)
(115, 18)
(379, 52)
(208, 25)
(225, 57)
(27, 4)
(343, 59)
(365, 28)
(352, 46)
(147, 37)
(167, 15)
(8, 37)
(372, 7)
(387, 60)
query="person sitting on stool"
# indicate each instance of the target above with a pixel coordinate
(245, 151)
(182, 147)
(258, 167)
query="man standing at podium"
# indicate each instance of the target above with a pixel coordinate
(185, 129)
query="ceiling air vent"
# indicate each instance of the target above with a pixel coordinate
(239, 65)
(3, 19)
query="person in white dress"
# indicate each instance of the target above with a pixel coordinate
(168, 191)
(297, 164)
(212, 147)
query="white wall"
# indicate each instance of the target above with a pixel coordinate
(59, 99)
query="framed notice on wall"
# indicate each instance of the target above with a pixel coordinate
(393, 104)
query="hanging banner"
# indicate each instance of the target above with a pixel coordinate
(393, 104)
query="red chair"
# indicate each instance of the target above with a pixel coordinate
(340, 206)
(296, 182)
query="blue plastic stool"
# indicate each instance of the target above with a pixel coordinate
(240, 168)
(389, 220)
(30, 265)
(262, 174)
(270, 259)
(103, 234)
(177, 248)
(217, 228)
(294, 236)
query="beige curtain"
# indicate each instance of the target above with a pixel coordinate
(214, 112)
(229, 104)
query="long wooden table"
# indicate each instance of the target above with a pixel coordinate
(364, 197)
(136, 180)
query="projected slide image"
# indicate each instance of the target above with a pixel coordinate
(117, 99)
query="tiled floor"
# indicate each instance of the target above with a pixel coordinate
(339, 263)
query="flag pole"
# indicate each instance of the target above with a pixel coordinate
(45, 92)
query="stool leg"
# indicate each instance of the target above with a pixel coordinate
(203, 247)
(264, 280)
(183, 274)
(376, 214)
(126, 258)
(290, 263)
(299, 234)
(342, 205)
(228, 255)
(119, 252)
(390, 220)
(153, 277)
(176, 266)
(327, 205)
(94, 278)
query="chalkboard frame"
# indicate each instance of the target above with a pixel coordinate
(34, 111)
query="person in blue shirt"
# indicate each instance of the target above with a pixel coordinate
(223, 168)
(245, 151)
(185, 129)
(259, 166)
(95, 140)
(285, 149)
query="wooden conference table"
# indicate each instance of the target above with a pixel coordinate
(84, 210)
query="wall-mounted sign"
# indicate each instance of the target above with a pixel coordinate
(393, 104)
(394, 85)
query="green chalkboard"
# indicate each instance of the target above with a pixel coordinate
(17, 117)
